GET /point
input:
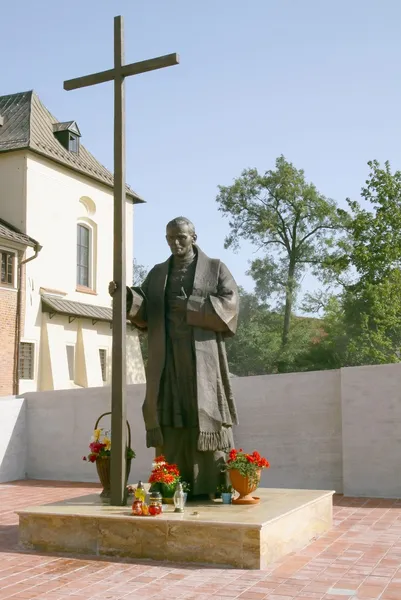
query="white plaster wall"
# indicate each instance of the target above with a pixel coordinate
(12, 188)
(13, 439)
(53, 209)
(371, 424)
(61, 424)
(295, 421)
(51, 364)
(317, 429)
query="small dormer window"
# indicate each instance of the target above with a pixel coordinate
(73, 143)
(68, 135)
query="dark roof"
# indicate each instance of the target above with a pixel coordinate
(70, 308)
(9, 232)
(28, 124)
(68, 126)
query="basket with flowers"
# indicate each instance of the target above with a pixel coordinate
(100, 452)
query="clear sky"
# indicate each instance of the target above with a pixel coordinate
(316, 80)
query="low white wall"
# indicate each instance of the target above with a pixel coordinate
(337, 430)
(371, 424)
(13, 439)
(295, 421)
(60, 424)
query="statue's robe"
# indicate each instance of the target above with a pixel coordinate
(189, 409)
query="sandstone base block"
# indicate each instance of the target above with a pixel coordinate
(245, 537)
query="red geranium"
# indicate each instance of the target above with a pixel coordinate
(247, 464)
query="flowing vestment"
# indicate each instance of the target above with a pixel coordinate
(189, 408)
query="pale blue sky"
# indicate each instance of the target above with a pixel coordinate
(316, 80)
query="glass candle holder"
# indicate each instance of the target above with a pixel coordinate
(137, 507)
(179, 499)
(155, 503)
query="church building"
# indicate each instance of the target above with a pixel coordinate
(56, 244)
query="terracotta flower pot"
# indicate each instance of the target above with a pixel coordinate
(244, 486)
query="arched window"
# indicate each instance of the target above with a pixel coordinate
(84, 255)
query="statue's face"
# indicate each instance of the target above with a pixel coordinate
(180, 238)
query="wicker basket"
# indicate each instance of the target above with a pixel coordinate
(103, 464)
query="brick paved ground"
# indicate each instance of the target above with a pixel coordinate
(359, 559)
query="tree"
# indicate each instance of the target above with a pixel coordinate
(371, 301)
(139, 273)
(375, 234)
(256, 348)
(362, 324)
(289, 220)
(372, 314)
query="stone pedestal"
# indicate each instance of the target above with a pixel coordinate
(246, 537)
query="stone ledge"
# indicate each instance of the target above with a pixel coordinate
(248, 537)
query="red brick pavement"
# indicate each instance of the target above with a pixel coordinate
(359, 559)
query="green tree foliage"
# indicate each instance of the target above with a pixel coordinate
(287, 219)
(375, 232)
(372, 316)
(257, 347)
(139, 273)
(254, 348)
(363, 325)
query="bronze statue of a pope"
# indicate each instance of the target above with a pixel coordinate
(188, 305)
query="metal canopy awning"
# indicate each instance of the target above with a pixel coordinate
(73, 310)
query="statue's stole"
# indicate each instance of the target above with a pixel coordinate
(206, 347)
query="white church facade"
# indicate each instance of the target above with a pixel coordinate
(53, 188)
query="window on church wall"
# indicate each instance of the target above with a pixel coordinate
(7, 268)
(103, 357)
(26, 360)
(71, 361)
(83, 256)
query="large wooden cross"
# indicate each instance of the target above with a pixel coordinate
(118, 383)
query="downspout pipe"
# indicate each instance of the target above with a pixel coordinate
(37, 248)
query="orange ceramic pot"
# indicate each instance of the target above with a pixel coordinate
(244, 487)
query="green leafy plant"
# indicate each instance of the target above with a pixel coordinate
(225, 489)
(248, 465)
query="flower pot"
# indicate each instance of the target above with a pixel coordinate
(103, 470)
(244, 486)
(226, 497)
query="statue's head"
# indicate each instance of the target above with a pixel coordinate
(180, 236)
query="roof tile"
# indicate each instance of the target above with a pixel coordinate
(28, 124)
(75, 309)
(9, 232)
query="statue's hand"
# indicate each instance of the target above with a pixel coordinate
(179, 304)
(112, 288)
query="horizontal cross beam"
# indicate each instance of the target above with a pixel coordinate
(133, 69)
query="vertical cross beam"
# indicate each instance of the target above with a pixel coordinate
(118, 380)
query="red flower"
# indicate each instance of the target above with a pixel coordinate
(160, 459)
(249, 462)
(92, 458)
(163, 472)
(96, 447)
(84, 458)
